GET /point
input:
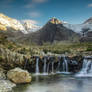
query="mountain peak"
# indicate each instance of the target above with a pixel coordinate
(89, 21)
(55, 21)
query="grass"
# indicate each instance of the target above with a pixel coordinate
(58, 48)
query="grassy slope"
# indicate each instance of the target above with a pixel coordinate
(58, 48)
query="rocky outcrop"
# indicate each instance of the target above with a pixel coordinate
(10, 59)
(2, 74)
(55, 21)
(19, 76)
(6, 86)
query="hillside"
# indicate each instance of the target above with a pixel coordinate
(52, 31)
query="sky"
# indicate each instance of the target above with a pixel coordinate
(40, 11)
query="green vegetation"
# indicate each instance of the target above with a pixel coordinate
(33, 49)
(14, 54)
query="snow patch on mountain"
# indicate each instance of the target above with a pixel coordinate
(7, 23)
(77, 27)
(30, 26)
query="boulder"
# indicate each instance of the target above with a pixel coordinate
(2, 74)
(19, 76)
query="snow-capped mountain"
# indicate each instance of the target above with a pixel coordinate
(78, 27)
(7, 23)
(29, 26)
(52, 31)
(89, 21)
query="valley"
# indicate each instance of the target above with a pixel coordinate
(56, 50)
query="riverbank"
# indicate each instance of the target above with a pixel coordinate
(46, 59)
(9, 79)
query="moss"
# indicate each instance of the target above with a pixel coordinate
(1, 58)
(89, 49)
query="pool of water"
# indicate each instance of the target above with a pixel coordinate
(56, 83)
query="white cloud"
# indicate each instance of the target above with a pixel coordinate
(39, 1)
(34, 3)
(34, 14)
(90, 5)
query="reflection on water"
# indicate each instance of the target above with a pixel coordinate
(56, 83)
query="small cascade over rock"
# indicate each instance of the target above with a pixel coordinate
(52, 67)
(58, 67)
(86, 70)
(65, 65)
(45, 66)
(37, 65)
(51, 64)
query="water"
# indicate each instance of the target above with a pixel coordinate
(86, 70)
(56, 83)
(65, 65)
(37, 66)
(58, 67)
(63, 82)
(52, 67)
(49, 67)
(45, 67)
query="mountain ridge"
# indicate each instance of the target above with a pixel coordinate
(51, 32)
(7, 23)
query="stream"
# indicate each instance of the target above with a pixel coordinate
(59, 81)
(56, 83)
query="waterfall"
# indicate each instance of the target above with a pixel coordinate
(86, 70)
(37, 66)
(65, 65)
(58, 67)
(52, 67)
(25, 64)
(44, 67)
(48, 67)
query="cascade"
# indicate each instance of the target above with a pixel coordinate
(37, 66)
(58, 67)
(52, 67)
(65, 65)
(45, 65)
(48, 67)
(86, 70)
